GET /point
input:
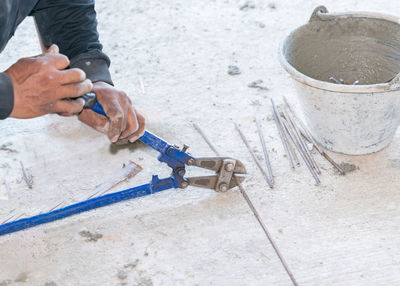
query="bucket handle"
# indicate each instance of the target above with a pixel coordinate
(320, 13)
(394, 83)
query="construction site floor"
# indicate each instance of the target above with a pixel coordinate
(343, 232)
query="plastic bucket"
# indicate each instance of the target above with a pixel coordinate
(350, 117)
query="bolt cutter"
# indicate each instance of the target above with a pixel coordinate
(227, 171)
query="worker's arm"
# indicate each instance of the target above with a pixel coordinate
(38, 85)
(72, 25)
(6, 95)
(41, 84)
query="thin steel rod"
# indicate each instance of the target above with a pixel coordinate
(198, 129)
(141, 84)
(296, 118)
(256, 214)
(301, 141)
(7, 187)
(305, 136)
(311, 138)
(80, 207)
(266, 156)
(334, 164)
(18, 217)
(308, 152)
(287, 113)
(53, 208)
(291, 148)
(290, 126)
(308, 164)
(6, 220)
(128, 171)
(269, 236)
(282, 134)
(270, 184)
(27, 178)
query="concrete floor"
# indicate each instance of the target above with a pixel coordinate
(344, 232)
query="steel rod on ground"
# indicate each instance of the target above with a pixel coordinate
(308, 164)
(296, 131)
(129, 170)
(266, 156)
(311, 139)
(295, 117)
(282, 135)
(6, 220)
(291, 148)
(205, 138)
(18, 217)
(256, 214)
(270, 184)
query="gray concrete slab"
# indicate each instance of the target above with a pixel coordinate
(344, 232)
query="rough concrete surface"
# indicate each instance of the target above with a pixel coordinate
(344, 232)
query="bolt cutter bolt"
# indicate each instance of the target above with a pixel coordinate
(185, 147)
(229, 167)
(223, 187)
(190, 162)
(183, 185)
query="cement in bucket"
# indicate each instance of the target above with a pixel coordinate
(356, 47)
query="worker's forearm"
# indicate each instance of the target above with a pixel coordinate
(72, 25)
(95, 64)
(6, 96)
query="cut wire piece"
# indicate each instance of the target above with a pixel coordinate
(300, 140)
(282, 134)
(267, 179)
(266, 156)
(310, 138)
(299, 148)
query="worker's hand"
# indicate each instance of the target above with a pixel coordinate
(124, 123)
(41, 83)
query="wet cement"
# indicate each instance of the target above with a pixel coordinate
(344, 47)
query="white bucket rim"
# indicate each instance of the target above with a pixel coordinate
(393, 85)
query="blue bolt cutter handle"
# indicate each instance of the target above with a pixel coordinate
(83, 206)
(147, 138)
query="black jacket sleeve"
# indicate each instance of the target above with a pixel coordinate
(72, 25)
(6, 96)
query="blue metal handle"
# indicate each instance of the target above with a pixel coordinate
(147, 138)
(98, 109)
(173, 157)
(156, 185)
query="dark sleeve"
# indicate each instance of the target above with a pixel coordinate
(72, 25)
(6, 96)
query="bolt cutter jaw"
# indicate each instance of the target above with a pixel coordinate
(226, 170)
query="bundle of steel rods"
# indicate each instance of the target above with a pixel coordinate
(296, 137)
(296, 140)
